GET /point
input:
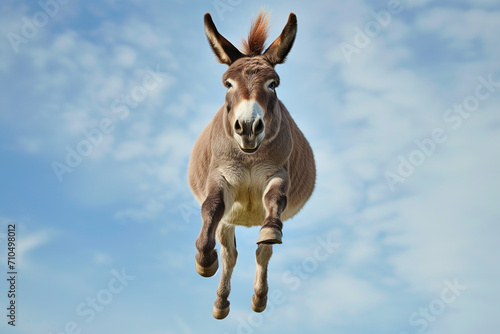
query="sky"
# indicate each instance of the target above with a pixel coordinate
(102, 101)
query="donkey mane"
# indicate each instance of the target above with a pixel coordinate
(258, 34)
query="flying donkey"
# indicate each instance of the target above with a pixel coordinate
(251, 165)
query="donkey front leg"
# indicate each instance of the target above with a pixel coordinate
(212, 211)
(228, 254)
(262, 256)
(275, 203)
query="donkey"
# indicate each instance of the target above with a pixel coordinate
(251, 165)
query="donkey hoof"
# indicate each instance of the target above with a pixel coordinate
(208, 271)
(220, 313)
(269, 235)
(259, 304)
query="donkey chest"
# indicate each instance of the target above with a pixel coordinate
(247, 189)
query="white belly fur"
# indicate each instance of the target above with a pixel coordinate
(247, 188)
(247, 208)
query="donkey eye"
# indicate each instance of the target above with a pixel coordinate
(272, 85)
(228, 84)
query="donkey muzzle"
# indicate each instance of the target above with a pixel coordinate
(249, 126)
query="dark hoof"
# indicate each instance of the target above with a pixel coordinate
(270, 236)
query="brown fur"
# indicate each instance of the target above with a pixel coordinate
(234, 187)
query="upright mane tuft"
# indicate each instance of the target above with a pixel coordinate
(258, 35)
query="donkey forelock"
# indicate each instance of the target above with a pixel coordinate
(257, 36)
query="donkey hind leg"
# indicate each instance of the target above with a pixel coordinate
(262, 256)
(227, 239)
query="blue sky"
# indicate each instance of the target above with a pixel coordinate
(402, 112)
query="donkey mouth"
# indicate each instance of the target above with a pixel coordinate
(250, 150)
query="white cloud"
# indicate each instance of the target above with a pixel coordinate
(32, 241)
(76, 121)
(26, 244)
(148, 213)
(102, 259)
(130, 150)
(30, 145)
(65, 42)
(336, 298)
(459, 28)
(110, 88)
(125, 56)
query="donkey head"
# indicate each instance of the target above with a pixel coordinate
(251, 109)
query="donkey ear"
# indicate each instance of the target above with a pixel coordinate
(225, 52)
(276, 53)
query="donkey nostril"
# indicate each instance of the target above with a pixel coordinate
(258, 127)
(238, 128)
